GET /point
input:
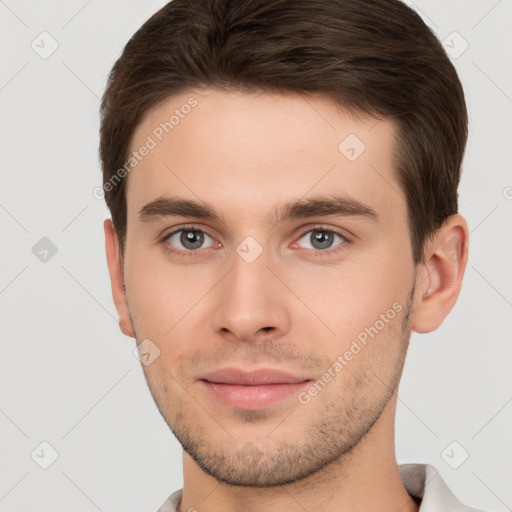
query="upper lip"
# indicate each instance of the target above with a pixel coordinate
(257, 377)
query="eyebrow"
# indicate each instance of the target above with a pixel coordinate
(325, 205)
(170, 207)
(164, 207)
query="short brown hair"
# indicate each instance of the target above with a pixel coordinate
(374, 56)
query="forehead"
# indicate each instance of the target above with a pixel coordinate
(253, 151)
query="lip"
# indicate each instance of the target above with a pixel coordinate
(254, 389)
(262, 376)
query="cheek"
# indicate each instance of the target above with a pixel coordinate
(348, 298)
(363, 309)
(164, 297)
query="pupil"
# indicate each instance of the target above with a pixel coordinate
(192, 239)
(321, 239)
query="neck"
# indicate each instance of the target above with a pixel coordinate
(365, 479)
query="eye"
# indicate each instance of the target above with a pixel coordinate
(321, 239)
(189, 239)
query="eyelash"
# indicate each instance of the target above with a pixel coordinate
(326, 253)
(179, 252)
(316, 253)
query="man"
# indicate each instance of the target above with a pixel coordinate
(282, 177)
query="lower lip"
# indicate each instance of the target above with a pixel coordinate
(252, 397)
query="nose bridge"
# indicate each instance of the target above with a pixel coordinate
(251, 301)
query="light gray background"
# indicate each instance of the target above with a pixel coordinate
(68, 375)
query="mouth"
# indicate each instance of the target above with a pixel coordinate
(251, 390)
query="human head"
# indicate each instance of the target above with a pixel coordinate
(254, 138)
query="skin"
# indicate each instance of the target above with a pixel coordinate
(295, 308)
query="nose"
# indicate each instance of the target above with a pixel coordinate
(253, 304)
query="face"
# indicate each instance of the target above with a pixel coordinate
(268, 267)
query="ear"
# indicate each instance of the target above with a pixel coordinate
(117, 278)
(439, 277)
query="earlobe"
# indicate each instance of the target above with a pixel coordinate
(439, 280)
(117, 279)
